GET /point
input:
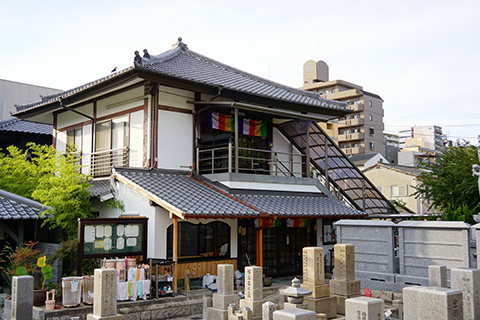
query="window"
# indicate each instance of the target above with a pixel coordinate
(200, 240)
(370, 103)
(357, 116)
(372, 131)
(399, 191)
(75, 136)
(333, 90)
(111, 134)
(111, 142)
(372, 145)
(371, 117)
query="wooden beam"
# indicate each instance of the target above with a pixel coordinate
(259, 243)
(175, 255)
(11, 233)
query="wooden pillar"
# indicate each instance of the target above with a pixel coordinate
(259, 243)
(236, 140)
(175, 254)
(308, 149)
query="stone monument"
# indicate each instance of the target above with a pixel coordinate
(295, 295)
(364, 308)
(22, 298)
(268, 308)
(297, 314)
(105, 295)
(253, 291)
(432, 303)
(224, 296)
(437, 276)
(467, 280)
(344, 285)
(320, 300)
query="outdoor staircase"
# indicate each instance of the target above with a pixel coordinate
(334, 168)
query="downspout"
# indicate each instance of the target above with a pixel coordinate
(86, 116)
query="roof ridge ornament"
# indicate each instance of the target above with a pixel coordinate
(182, 45)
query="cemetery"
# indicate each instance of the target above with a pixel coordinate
(382, 270)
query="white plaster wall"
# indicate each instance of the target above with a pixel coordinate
(175, 97)
(138, 205)
(136, 139)
(105, 108)
(70, 118)
(175, 140)
(61, 142)
(281, 144)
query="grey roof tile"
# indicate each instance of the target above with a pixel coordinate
(197, 197)
(299, 205)
(14, 125)
(99, 187)
(14, 207)
(190, 196)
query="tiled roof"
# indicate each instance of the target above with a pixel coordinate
(195, 198)
(15, 125)
(182, 63)
(301, 206)
(415, 171)
(189, 196)
(14, 207)
(99, 187)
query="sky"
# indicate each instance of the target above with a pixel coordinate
(421, 57)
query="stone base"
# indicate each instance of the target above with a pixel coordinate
(321, 316)
(341, 303)
(221, 301)
(215, 314)
(318, 291)
(255, 306)
(345, 288)
(288, 305)
(298, 314)
(326, 305)
(91, 316)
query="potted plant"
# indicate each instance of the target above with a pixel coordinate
(28, 261)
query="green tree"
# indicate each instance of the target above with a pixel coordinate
(43, 174)
(449, 185)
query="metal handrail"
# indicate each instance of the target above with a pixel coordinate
(219, 159)
(102, 161)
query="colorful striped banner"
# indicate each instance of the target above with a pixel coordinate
(225, 122)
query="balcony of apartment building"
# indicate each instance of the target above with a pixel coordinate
(356, 107)
(340, 95)
(359, 121)
(351, 137)
(359, 149)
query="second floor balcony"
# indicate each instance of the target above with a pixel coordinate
(102, 162)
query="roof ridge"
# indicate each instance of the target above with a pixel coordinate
(23, 200)
(8, 121)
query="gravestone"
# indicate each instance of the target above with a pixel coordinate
(432, 303)
(224, 297)
(268, 308)
(22, 298)
(468, 280)
(437, 276)
(344, 286)
(253, 291)
(297, 314)
(364, 308)
(105, 295)
(320, 300)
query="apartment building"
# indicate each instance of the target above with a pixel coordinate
(420, 144)
(358, 132)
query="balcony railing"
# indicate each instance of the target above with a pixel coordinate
(351, 136)
(254, 161)
(356, 107)
(354, 150)
(351, 122)
(103, 161)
